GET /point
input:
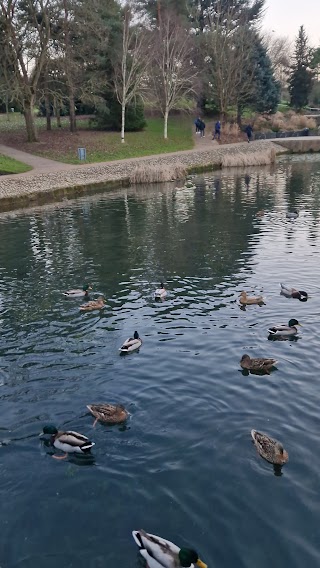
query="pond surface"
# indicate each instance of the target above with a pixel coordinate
(183, 466)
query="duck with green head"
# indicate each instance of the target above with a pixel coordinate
(78, 292)
(69, 442)
(161, 553)
(285, 330)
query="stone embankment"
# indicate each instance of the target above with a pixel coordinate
(51, 182)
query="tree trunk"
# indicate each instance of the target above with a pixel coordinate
(48, 113)
(7, 106)
(166, 115)
(72, 117)
(239, 113)
(29, 118)
(56, 110)
(123, 119)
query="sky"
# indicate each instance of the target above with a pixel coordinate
(286, 16)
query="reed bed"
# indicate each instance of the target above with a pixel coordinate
(157, 174)
(260, 158)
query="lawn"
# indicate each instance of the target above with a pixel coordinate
(62, 145)
(11, 166)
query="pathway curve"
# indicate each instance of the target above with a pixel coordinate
(39, 164)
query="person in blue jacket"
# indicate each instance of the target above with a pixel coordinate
(217, 130)
(249, 130)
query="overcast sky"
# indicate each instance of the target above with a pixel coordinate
(286, 16)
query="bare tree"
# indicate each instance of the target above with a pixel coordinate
(229, 61)
(173, 73)
(131, 67)
(280, 51)
(25, 27)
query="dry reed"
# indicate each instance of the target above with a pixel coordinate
(260, 158)
(283, 121)
(157, 174)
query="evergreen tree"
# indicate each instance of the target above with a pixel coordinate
(266, 89)
(301, 78)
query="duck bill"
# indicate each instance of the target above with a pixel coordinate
(299, 324)
(201, 564)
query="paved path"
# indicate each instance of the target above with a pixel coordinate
(39, 164)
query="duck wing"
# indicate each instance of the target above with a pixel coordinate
(263, 363)
(279, 329)
(128, 342)
(264, 444)
(285, 290)
(162, 552)
(75, 440)
(108, 412)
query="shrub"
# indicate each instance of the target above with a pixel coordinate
(108, 117)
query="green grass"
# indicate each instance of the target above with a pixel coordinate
(149, 141)
(11, 166)
(101, 146)
(283, 107)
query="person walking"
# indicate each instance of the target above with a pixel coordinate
(197, 123)
(249, 130)
(202, 126)
(217, 130)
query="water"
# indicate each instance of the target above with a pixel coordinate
(183, 466)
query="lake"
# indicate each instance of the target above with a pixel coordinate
(183, 466)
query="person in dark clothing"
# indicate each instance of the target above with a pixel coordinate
(197, 123)
(217, 130)
(202, 126)
(249, 130)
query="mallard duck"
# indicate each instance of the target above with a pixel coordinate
(292, 214)
(189, 185)
(248, 300)
(131, 344)
(290, 329)
(69, 442)
(263, 365)
(93, 305)
(78, 293)
(108, 413)
(160, 292)
(293, 293)
(269, 449)
(260, 213)
(161, 553)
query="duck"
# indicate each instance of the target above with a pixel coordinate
(108, 413)
(248, 300)
(69, 442)
(160, 292)
(161, 553)
(257, 364)
(292, 214)
(93, 305)
(293, 293)
(268, 448)
(260, 213)
(290, 329)
(189, 185)
(131, 344)
(78, 292)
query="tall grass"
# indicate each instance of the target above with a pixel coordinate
(153, 174)
(261, 158)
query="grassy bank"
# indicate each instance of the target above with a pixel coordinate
(62, 145)
(10, 166)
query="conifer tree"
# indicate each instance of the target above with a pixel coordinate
(301, 78)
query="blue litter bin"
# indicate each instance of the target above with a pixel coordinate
(82, 154)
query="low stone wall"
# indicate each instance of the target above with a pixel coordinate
(23, 189)
(301, 145)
